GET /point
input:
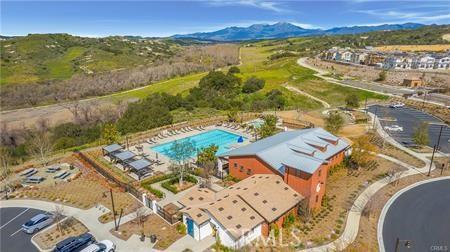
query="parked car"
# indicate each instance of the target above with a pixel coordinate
(393, 128)
(37, 223)
(75, 243)
(102, 246)
(397, 105)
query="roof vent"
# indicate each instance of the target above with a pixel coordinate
(264, 201)
(295, 195)
(256, 194)
(252, 217)
(229, 217)
(199, 215)
(278, 182)
(234, 201)
(274, 209)
(221, 209)
(238, 226)
(243, 209)
(201, 198)
(191, 198)
(286, 188)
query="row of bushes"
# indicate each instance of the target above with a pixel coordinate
(155, 179)
(170, 184)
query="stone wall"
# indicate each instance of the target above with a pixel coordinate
(393, 77)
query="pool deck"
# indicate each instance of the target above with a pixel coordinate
(151, 154)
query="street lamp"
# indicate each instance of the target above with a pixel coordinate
(404, 243)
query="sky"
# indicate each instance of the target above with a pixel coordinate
(165, 18)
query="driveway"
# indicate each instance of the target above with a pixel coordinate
(410, 119)
(420, 215)
(13, 239)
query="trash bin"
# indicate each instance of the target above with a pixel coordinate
(153, 238)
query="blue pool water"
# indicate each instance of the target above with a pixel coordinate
(221, 138)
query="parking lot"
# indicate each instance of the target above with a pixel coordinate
(13, 239)
(410, 119)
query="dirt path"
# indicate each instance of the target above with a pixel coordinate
(294, 89)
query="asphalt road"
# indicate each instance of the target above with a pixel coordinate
(410, 119)
(422, 216)
(13, 239)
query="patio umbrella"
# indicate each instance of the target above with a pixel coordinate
(240, 139)
(156, 155)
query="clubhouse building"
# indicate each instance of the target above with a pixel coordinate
(278, 174)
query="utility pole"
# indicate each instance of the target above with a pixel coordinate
(424, 98)
(407, 244)
(374, 117)
(439, 138)
(432, 157)
(113, 208)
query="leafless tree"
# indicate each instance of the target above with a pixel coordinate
(58, 215)
(40, 145)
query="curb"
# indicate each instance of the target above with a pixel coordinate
(391, 201)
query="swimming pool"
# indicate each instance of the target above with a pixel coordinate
(223, 139)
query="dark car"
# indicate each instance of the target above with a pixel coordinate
(75, 243)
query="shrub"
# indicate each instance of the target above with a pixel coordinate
(181, 228)
(252, 85)
(276, 230)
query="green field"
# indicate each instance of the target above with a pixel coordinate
(276, 73)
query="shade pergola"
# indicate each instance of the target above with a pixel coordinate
(123, 156)
(111, 149)
(140, 166)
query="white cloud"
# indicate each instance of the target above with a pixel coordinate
(397, 15)
(306, 26)
(260, 4)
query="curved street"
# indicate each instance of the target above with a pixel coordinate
(420, 215)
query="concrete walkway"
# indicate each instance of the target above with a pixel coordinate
(89, 218)
(352, 225)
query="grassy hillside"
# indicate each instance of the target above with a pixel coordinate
(51, 57)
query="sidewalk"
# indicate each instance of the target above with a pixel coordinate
(89, 218)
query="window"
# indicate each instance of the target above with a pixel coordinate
(242, 168)
(235, 165)
(249, 171)
(320, 172)
(317, 198)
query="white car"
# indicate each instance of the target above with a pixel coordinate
(102, 246)
(393, 128)
(397, 105)
(37, 223)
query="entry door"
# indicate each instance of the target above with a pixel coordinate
(190, 227)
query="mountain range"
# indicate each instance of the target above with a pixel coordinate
(286, 30)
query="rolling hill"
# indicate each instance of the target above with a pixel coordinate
(287, 30)
(39, 58)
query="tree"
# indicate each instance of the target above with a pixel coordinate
(207, 161)
(110, 134)
(234, 70)
(252, 85)
(420, 135)
(181, 151)
(268, 128)
(39, 145)
(382, 76)
(334, 122)
(5, 159)
(352, 101)
(58, 214)
(362, 151)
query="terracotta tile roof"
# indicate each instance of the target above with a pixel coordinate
(236, 216)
